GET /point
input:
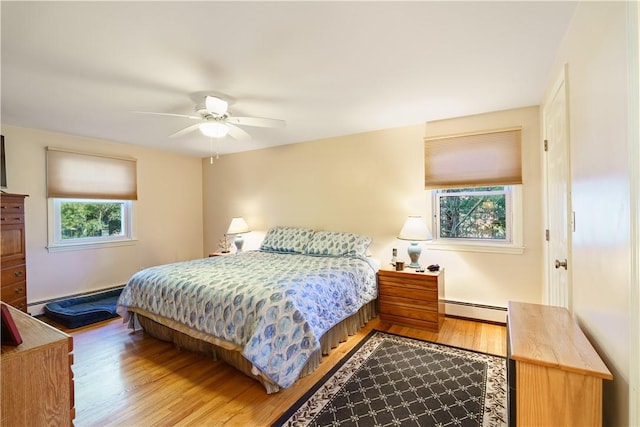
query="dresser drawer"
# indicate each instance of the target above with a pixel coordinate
(11, 213)
(13, 291)
(20, 303)
(13, 275)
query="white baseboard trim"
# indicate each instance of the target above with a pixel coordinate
(486, 313)
(36, 308)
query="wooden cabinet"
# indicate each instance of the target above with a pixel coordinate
(411, 299)
(13, 255)
(37, 381)
(555, 375)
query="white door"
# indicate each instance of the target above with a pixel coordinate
(558, 197)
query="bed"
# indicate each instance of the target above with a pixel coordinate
(271, 313)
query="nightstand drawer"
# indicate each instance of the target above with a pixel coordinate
(404, 308)
(422, 293)
(411, 304)
(431, 325)
(415, 280)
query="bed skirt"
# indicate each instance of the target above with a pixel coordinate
(197, 342)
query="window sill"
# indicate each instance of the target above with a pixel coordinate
(65, 247)
(477, 247)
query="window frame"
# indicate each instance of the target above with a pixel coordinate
(57, 244)
(512, 245)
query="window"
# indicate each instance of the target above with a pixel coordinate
(476, 180)
(90, 200)
(87, 222)
(478, 218)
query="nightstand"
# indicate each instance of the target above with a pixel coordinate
(411, 299)
(212, 254)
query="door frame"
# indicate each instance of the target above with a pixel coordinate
(633, 19)
(560, 80)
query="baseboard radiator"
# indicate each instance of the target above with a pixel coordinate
(36, 308)
(482, 312)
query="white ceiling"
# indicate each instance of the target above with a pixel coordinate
(327, 68)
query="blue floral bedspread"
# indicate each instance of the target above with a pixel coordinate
(274, 306)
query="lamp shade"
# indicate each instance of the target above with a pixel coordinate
(214, 129)
(415, 229)
(238, 226)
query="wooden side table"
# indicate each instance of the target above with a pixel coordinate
(411, 299)
(212, 254)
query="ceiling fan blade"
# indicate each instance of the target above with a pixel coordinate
(257, 121)
(237, 133)
(185, 131)
(168, 114)
(216, 106)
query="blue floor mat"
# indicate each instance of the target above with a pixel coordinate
(81, 311)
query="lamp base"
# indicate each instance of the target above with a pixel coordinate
(239, 242)
(414, 250)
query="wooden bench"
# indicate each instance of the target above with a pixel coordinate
(555, 375)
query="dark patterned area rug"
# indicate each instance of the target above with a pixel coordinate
(389, 380)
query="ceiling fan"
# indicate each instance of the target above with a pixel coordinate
(216, 121)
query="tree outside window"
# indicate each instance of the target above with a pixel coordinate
(481, 213)
(80, 219)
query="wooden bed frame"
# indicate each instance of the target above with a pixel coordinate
(198, 342)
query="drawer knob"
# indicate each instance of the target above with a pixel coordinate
(18, 273)
(19, 291)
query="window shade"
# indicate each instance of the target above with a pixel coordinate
(473, 160)
(90, 176)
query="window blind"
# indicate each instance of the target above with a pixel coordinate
(473, 160)
(90, 176)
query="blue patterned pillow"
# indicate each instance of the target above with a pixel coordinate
(286, 239)
(336, 243)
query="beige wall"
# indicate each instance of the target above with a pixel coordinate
(368, 183)
(168, 214)
(491, 278)
(595, 51)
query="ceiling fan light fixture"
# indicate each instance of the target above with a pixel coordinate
(214, 129)
(216, 106)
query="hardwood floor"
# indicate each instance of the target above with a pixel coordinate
(125, 378)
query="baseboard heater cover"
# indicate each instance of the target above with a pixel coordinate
(468, 310)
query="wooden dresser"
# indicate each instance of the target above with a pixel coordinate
(411, 299)
(555, 375)
(13, 254)
(37, 381)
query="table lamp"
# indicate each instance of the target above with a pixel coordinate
(414, 229)
(238, 227)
